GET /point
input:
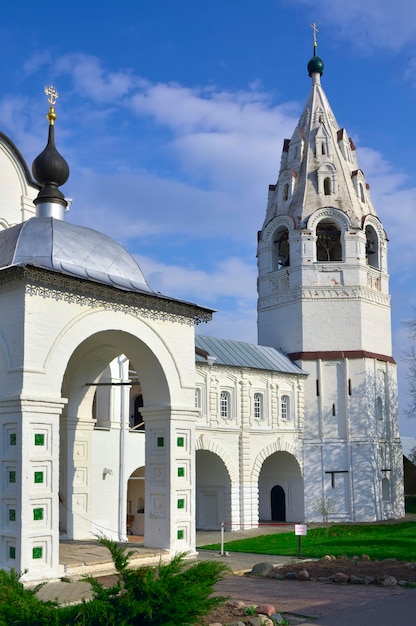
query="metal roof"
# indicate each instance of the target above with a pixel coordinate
(241, 354)
(73, 250)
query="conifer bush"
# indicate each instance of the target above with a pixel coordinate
(177, 592)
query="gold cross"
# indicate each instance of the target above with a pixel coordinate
(52, 94)
(315, 30)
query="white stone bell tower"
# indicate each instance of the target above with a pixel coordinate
(323, 298)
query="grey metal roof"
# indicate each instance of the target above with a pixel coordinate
(57, 245)
(241, 354)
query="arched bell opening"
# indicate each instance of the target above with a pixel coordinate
(281, 249)
(372, 248)
(328, 241)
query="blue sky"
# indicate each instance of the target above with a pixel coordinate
(172, 115)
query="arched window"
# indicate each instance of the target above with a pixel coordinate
(198, 398)
(379, 408)
(328, 241)
(258, 406)
(281, 256)
(285, 192)
(327, 186)
(137, 421)
(372, 247)
(225, 404)
(285, 407)
(323, 148)
(361, 188)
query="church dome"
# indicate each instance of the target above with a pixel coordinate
(315, 66)
(55, 245)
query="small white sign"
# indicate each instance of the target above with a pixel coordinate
(301, 529)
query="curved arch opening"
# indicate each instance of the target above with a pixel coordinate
(213, 492)
(328, 241)
(96, 447)
(280, 489)
(281, 249)
(372, 247)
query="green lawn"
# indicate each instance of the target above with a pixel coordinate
(379, 541)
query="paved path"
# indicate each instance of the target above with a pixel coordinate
(321, 604)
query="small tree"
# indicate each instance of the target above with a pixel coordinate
(325, 506)
(412, 455)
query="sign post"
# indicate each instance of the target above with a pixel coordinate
(300, 529)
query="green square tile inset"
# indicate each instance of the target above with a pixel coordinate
(38, 477)
(160, 442)
(37, 553)
(181, 472)
(12, 552)
(13, 439)
(37, 514)
(180, 534)
(12, 476)
(181, 503)
(180, 442)
(12, 515)
(39, 439)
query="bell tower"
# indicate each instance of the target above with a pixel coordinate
(323, 298)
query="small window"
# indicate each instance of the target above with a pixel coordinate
(323, 148)
(362, 197)
(225, 404)
(198, 404)
(379, 408)
(137, 421)
(285, 407)
(258, 406)
(327, 186)
(286, 192)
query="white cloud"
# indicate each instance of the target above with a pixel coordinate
(92, 80)
(230, 277)
(381, 24)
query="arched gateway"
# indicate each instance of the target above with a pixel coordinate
(73, 300)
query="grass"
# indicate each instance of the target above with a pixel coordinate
(379, 541)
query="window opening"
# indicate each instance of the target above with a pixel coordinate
(137, 421)
(362, 198)
(258, 406)
(327, 186)
(371, 247)
(282, 249)
(286, 192)
(198, 398)
(225, 404)
(328, 242)
(284, 404)
(323, 149)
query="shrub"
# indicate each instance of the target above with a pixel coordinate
(20, 606)
(172, 593)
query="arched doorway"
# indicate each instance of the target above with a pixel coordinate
(278, 504)
(97, 456)
(135, 502)
(280, 483)
(213, 492)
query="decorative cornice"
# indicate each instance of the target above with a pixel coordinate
(54, 286)
(335, 355)
(342, 292)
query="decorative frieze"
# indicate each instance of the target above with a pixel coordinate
(49, 285)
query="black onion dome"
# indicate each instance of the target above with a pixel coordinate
(50, 170)
(315, 66)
